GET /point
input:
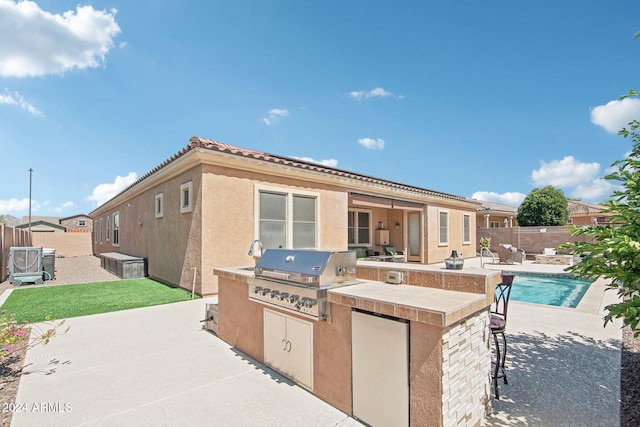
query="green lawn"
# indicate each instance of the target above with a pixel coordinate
(66, 301)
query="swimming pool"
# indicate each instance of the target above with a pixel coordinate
(549, 289)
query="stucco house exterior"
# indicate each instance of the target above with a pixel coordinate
(496, 215)
(581, 213)
(202, 208)
(75, 223)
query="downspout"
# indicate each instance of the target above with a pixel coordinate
(193, 282)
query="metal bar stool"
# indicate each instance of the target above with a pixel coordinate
(498, 326)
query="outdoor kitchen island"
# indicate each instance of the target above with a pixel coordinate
(447, 344)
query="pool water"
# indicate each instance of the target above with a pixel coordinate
(548, 289)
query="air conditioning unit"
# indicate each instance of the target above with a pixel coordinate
(394, 277)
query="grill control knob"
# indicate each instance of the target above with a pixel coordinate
(257, 289)
(283, 295)
(274, 293)
(265, 291)
(309, 302)
(293, 298)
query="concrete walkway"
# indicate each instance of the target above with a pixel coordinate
(156, 366)
(563, 366)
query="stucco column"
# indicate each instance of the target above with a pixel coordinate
(486, 220)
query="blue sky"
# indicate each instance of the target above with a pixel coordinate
(478, 99)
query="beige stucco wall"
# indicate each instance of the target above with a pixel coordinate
(170, 243)
(436, 252)
(229, 222)
(219, 230)
(184, 248)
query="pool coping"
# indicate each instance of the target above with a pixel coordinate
(597, 297)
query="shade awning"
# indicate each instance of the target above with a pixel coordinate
(401, 204)
(384, 203)
(371, 201)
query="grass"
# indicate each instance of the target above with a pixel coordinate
(60, 302)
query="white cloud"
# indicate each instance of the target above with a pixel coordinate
(567, 172)
(49, 208)
(615, 115)
(332, 163)
(598, 189)
(17, 205)
(372, 144)
(373, 93)
(103, 192)
(36, 42)
(510, 198)
(275, 115)
(18, 100)
(21, 206)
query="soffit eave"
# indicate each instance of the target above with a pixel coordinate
(169, 171)
(197, 155)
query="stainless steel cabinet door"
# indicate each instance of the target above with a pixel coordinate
(380, 369)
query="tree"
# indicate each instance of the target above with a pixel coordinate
(613, 250)
(544, 207)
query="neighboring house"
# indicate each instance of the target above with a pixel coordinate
(203, 207)
(581, 213)
(43, 224)
(496, 215)
(77, 223)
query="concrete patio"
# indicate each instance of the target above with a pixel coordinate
(156, 366)
(563, 366)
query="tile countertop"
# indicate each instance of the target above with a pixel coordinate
(436, 307)
(432, 306)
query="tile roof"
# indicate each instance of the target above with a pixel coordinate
(492, 206)
(578, 207)
(209, 144)
(297, 163)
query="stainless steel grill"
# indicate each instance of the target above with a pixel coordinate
(298, 280)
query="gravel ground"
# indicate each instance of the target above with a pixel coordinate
(630, 380)
(87, 269)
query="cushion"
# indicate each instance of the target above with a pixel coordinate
(361, 252)
(390, 250)
(497, 323)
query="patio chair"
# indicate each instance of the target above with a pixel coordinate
(397, 256)
(498, 325)
(510, 254)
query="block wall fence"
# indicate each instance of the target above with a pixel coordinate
(532, 239)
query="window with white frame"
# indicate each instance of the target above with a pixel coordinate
(82, 223)
(359, 228)
(466, 228)
(101, 230)
(159, 205)
(304, 221)
(116, 228)
(287, 219)
(108, 228)
(494, 224)
(186, 197)
(443, 228)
